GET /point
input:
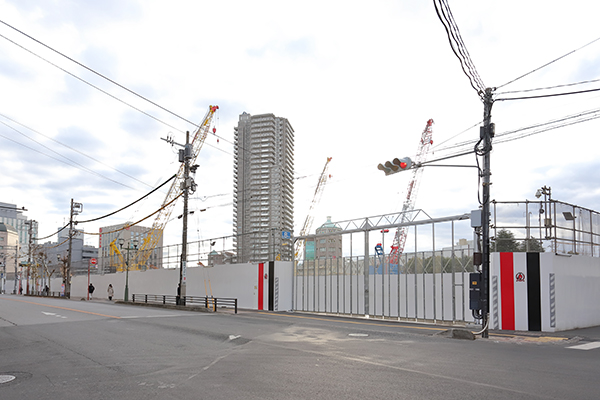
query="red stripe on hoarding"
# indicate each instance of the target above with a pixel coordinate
(507, 291)
(261, 272)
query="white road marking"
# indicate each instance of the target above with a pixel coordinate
(233, 337)
(51, 314)
(585, 346)
(358, 334)
(6, 378)
(152, 316)
(214, 362)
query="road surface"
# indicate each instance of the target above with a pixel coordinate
(67, 349)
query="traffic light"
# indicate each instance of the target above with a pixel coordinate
(397, 165)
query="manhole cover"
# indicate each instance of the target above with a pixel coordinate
(6, 378)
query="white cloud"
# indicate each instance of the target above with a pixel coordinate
(357, 81)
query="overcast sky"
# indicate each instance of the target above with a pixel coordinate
(357, 80)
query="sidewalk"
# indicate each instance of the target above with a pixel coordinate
(591, 334)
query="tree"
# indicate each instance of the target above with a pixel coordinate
(505, 242)
(535, 246)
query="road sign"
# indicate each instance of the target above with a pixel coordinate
(93, 261)
(286, 234)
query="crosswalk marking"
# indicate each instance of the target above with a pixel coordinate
(585, 346)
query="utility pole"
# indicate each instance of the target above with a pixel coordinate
(3, 272)
(185, 185)
(76, 208)
(68, 269)
(17, 277)
(487, 135)
(185, 155)
(30, 235)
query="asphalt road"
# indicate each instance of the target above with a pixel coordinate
(63, 349)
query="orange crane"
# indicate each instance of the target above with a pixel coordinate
(411, 193)
(316, 198)
(152, 239)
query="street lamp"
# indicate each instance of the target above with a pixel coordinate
(3, 272)
(135, 245)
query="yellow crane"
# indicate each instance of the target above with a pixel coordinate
(115, 250)
(150, 242)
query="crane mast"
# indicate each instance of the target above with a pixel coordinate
(153, 237)
(316, 198)
(411, 193)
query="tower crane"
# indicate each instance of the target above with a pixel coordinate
(175, 191)
(316, 198)
(411, 193)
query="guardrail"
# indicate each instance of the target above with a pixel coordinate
(37, 293)
(208, 302)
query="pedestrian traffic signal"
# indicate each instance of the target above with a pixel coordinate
(397, 165)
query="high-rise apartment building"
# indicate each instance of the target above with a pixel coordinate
(263, 188)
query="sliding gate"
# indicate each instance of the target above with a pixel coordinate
(429, 281)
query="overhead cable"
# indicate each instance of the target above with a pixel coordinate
(548, 95)
(458, 47)
(77, 165)
(90, 84)
(530, 130)
(55, 233)
(98, 73)
(73, 149)
(551, 62)
(550, 87)
(127, 226)
(129, 205)
(106, 78)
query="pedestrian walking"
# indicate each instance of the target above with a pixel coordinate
(111, 291)
(91, 290)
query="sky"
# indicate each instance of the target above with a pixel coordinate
(357, 80)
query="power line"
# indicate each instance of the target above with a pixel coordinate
(458, 46)
(551, 62)
(98, 73)
(106, 78)
(129, 205)
(139, 221)
(90, 84)
(458, 134)
(75, 163)
(534, 129)
(70, 148)
(548, 95)
(550, 87)
(550, 125)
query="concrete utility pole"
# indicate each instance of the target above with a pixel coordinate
(17, 277)
(76, 209)
(487, 135)
(185, 185)
(29, 245)
(67, 276)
